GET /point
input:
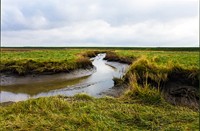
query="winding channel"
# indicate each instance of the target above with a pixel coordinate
(92, 82)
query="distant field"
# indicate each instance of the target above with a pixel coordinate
(111, 48)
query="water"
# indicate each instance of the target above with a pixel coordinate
(92, 82)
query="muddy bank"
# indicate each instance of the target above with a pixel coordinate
(178, 92)
(180, 89)
(181, 94)
(116, 91)
(7, 80)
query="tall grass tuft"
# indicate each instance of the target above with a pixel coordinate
(143, 93)
(147, 72)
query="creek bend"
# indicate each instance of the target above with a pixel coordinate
(92, 82)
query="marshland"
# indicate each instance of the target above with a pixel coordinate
(99, 89)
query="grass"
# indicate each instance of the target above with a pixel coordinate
(83, 112)
(146, 70)
(143, 94)
(159, 66)
(185, 59)
(156, 67)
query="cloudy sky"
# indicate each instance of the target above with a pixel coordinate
(133, 23)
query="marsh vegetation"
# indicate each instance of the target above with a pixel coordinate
(161, 91)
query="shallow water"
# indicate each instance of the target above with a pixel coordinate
(92, 82)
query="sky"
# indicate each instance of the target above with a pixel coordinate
(113, 23)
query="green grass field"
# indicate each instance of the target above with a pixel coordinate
(140, 108)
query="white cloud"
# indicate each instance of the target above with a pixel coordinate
(100, 23)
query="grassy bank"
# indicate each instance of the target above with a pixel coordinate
(35, 61)
(175, 73)
(83, 112)
(156, 67)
